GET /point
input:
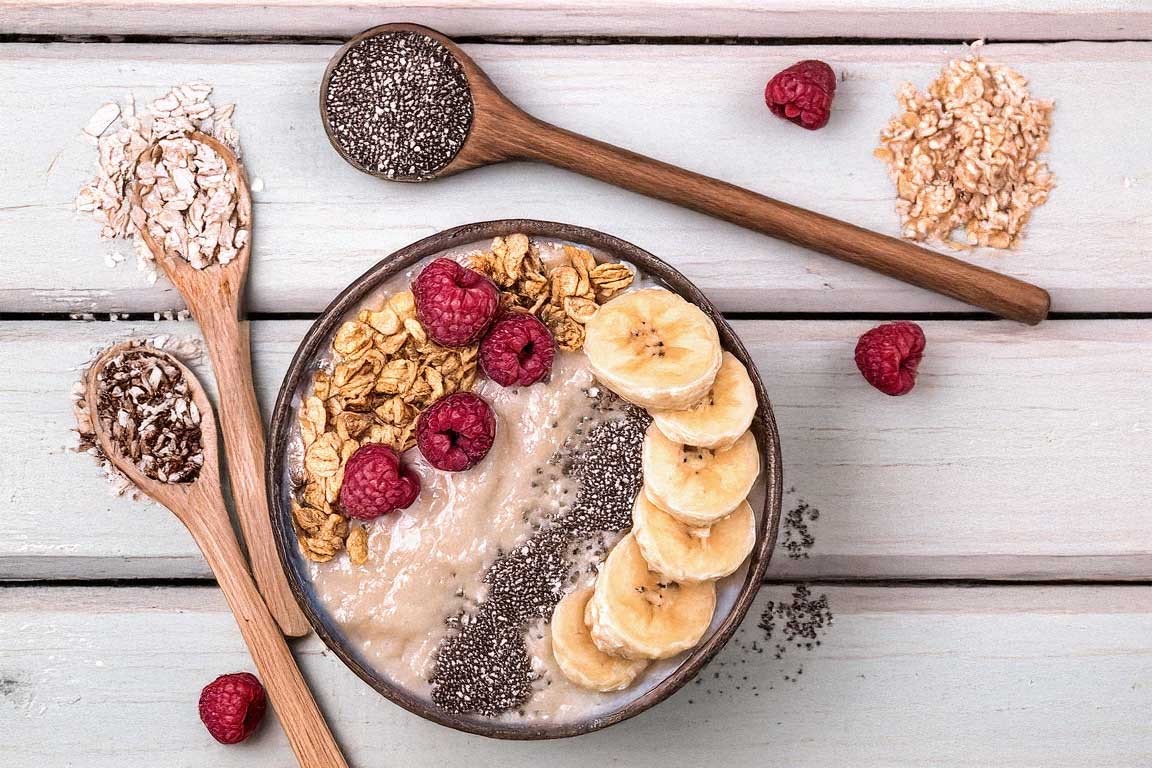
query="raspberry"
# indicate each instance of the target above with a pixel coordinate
(888, 354)
(803, 93)
(232, 706)
(376, 483)
(453, 303)
(454, 433)
(518, 350)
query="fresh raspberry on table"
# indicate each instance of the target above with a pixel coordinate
(376, 483)
(888, 355)
(803, 93)
(517, 351)
(453, 303)
(232, 706)
(455, 433)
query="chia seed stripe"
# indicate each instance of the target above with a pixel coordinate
(484, 667)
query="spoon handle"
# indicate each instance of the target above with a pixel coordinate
(229, 346)
(299, 715)
(997, 293)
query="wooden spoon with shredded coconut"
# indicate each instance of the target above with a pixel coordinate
(197, 500)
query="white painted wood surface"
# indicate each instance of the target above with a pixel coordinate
(941, 19)
(1022, 453)
(320, 223)
(1004, 676)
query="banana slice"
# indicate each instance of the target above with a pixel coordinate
(721, 417)
(698, 486)
(686, 553)
(637, 614)
(653, 348)
(578, 658)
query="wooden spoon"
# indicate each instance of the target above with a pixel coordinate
(200, 506)
(502, 131)
(215, 296)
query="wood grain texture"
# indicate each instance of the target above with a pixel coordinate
(948, 19)
(320, 223)
(1003, 676)
(1020, 454)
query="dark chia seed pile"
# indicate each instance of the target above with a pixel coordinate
(399, 104)
(798, 624)
(484, 667)
(797, 538)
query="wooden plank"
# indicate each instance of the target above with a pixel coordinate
(319, 223)
(1006, 676)
(948, 19)
(1022, 453)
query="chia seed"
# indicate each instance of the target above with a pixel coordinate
(399, 105)
(485, 667)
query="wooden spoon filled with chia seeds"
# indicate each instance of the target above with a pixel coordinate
(153, 421)
(405, 103)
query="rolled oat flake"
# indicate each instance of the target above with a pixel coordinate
(398, 105)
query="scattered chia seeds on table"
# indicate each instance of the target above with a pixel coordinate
(485, 666)
(798, 539)
(399, 104)
(802, 623)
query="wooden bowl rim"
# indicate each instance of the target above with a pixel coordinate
(764, 428)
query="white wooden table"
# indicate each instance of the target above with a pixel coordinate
(985, 543)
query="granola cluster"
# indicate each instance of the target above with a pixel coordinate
(385, 370)
(564, 295)
(965, 155)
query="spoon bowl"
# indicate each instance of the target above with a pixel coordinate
(199, 505)
(501, 131)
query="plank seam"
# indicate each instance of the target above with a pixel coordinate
(821, 582)
(141, 317)
(765, 42)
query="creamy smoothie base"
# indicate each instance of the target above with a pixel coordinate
(453, 600)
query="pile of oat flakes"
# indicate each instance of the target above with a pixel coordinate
(965, 155)
(384, 370)
(188, 201)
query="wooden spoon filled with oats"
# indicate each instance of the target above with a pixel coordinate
(154, 423)
(191, 204)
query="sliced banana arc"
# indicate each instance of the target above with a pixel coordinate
(578, 657)
(688, 553)
(654, 349)
(721, 417)
(638, 614)
(698, 486)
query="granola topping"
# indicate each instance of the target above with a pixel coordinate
(384, 371)
(564, 295)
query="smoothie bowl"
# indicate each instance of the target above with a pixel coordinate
(525, 479)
